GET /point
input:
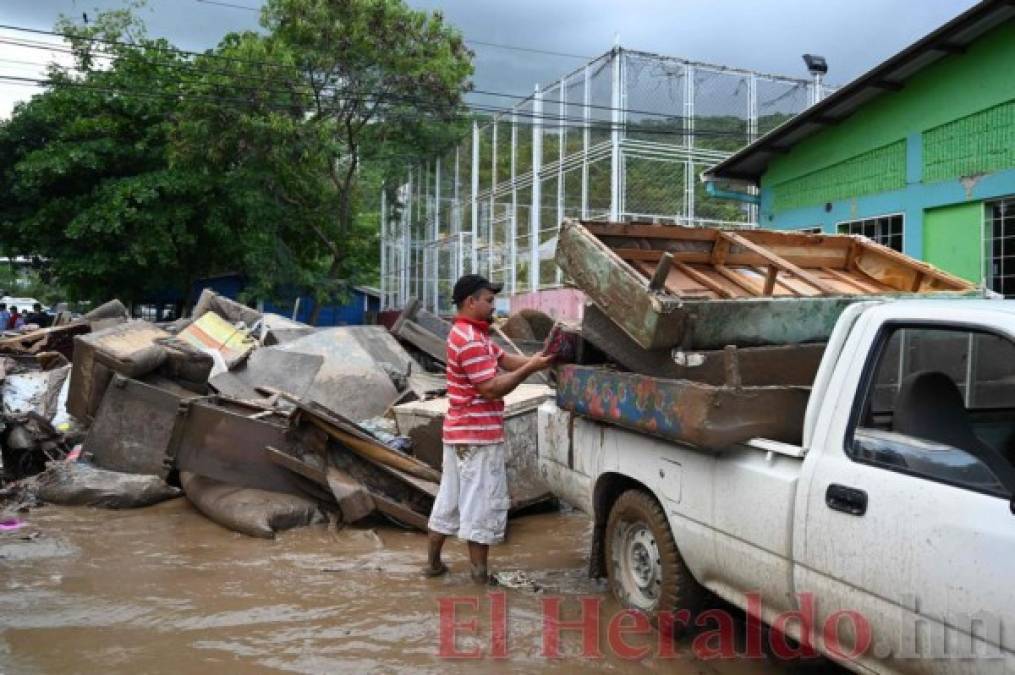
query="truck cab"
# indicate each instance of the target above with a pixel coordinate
(890, 528)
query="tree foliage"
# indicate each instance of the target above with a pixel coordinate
(84, 178)
(331, 87)
(142, 168)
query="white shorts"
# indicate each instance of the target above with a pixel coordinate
(472, 502)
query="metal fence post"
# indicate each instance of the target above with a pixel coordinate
(436, 236)
(513, 232)
(384, 248)
(615, 104)
(586, 140)
(492, 248)
(474, 266)
(689, 91)
(557, 277)
(537, 192)
(457, 219)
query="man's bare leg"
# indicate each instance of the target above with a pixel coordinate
(435, 567)
(478, 554)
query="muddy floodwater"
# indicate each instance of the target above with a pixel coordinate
(164, 589)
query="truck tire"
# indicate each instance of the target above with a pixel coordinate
(645, 570)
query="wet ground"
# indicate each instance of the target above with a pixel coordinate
(164, 589)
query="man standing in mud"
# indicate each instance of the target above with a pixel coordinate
(472, 502)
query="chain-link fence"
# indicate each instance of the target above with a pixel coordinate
(623, 138)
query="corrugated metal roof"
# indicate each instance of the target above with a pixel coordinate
(954, 37)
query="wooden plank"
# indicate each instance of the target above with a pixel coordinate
(354, 500)
(770, 238)
(400, 512)
(720, 249)
(917, 281)
(703, 280)
(678, 283)
(738, 280)
(661, 273)
(376, 452)
(360, 443)
(780, 281)
(740, 258)
(781, 263)
(950, 282)
(642, 231)
(296, 465)
(770, 279)
(852, 280)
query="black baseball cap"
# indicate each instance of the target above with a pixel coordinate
(469, 284)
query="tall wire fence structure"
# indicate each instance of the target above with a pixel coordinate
(622, 138)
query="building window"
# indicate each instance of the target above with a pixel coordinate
(810, 230)
(1001, 231)
(885, 230)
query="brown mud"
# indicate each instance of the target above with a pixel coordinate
(163, 589)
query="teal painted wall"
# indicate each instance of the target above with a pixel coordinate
(954, 122)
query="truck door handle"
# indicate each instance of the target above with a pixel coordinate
(846, 499)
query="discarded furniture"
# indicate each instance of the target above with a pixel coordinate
(423, 421)
(700, 414)
(705, 288)
(133, 431)
(127, 348)
(54, 339)
(794, 364)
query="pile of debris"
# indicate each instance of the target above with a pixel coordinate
(262, 422)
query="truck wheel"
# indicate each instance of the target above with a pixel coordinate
(645, 569)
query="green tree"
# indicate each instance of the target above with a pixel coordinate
(85, 181)
(331, 87)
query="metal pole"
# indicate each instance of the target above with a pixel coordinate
(436, 231)
(752, 130)
(406, 241)
(816, 89)
(474, 267)
(689, 91)
(424, 288)
(384, 247)
(615, 104)
(494, 252)
(586, 140)
(560, 166)
(457, 224)
(513, 262)
(537, 165)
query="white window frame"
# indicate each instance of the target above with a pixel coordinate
(987, 235)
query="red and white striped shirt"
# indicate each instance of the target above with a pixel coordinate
(472, 359)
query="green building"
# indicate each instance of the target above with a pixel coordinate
(917, 154)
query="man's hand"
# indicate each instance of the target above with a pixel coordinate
(539, 362)
(500, 386)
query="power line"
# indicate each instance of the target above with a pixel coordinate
(495, 45)
(396, 115)
(191, 67)
(229, 4)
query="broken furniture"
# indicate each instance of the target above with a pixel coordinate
(705, 288)
(704, 415)
(423, 421)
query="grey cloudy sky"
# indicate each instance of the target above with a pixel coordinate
(764, 35)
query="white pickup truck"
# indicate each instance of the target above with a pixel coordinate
(895, 514)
